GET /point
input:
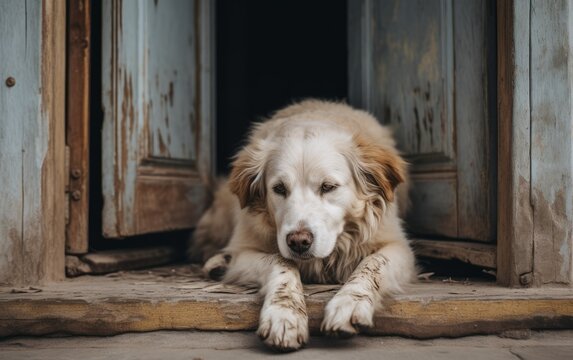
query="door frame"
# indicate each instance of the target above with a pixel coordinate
(535, 166)
(78, 78)
(515, 245)
(32, 230)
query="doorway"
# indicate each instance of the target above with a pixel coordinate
(270, 54)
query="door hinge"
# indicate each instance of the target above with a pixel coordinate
(67, 183)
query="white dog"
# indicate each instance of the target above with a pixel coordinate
(311, 198)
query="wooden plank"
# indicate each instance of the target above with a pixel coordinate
(475, 206)
(472, 253)
(171, 76)
(535, 157)
(53, 70)
(53, 67)
(552, 140)
(104, 262)
(515, 214)
(401, 68)
(32, 101)
(150, 201)
(176, 298)
(412, 75)
(159, 114)
(77, 124)
(360, 53)
(207, 89)
(431, 214)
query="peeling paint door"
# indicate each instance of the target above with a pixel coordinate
(157, 138)
(427, 69)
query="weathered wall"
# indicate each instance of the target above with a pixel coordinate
(535, 238)
(551, 140)
(31, 141)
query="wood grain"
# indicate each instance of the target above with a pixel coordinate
(51, 239)
(552, 141)
(77, 124)
(424, 69)
(474, 122)
(472, 253)
(176, 298)
(104, 262)
(535, 155)
(158, 121)
(32, 128)
(430, 213)
(515, 219)
(412, 79)
(360, 53)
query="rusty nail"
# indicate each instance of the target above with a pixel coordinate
(76, 173)
(76, 195)
(525, 279)
(10, 81)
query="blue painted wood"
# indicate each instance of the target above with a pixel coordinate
(157, 127)
(552, 140)
(31, 141)
(412, 74)
(405, 71)
(475, 116)
(172, 79)
(21, 148)
(421, 68)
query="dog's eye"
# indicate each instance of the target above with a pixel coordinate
(326, 188)
(280, 189)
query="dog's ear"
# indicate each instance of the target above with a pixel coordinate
(380, 169)
(247, 176)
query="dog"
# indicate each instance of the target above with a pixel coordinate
(313, 197)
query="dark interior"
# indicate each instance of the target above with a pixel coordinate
(270, 54)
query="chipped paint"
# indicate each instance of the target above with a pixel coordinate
(429, 58)
(551, 142)
(171, 135)
(150, 171)
(412, 74)
(32, 224)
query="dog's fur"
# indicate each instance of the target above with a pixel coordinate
(330, 173)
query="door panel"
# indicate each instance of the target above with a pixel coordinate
(158, 114)
(425, 70)
(413, 70)
(171, 80)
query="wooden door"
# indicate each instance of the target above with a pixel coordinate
(427, 69)
(157, 132)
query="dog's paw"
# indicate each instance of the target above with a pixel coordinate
(346, 314)
(217, 265)
(283, 329)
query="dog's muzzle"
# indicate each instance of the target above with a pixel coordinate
(300, 241)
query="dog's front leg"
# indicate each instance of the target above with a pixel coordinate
(283, 323)
(377, 275)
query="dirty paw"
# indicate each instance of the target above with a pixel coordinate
(216, 266)
(346, 314)
(283, 329)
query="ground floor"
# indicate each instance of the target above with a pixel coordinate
(245, 345)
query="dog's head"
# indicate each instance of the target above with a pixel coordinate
(311, 181)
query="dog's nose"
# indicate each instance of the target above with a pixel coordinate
(299, 241)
